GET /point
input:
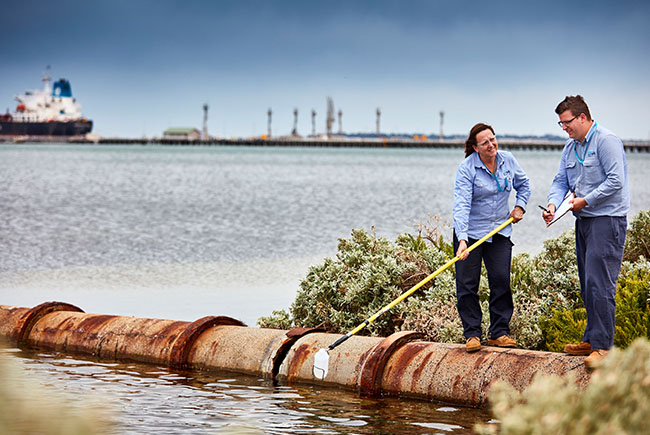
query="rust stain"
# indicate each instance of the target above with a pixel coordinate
(298, 360)
(417, 373)
(179, 354)
(89, 337)
(29, 319)
(394, 377)
(373, 366)
(299, 332)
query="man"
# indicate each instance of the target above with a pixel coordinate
(594, 167)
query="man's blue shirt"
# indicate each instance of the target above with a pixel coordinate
(479, 206)
(601, 177)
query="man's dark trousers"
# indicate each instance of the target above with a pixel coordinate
(599, 248)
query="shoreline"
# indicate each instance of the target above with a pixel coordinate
(334, 142)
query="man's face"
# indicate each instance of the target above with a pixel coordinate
(576, 126)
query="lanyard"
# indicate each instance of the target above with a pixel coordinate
(499, 188)
(584, 154)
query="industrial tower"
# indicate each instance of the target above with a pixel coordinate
(205, 122)
(294, 131)
(330, 116)
(340, 122)
(378, 121)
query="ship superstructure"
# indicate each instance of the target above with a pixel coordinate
(51, 111)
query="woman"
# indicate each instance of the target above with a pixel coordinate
(484, 181)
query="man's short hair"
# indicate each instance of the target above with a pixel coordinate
(575, 104)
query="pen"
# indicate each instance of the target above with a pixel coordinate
(544, 208)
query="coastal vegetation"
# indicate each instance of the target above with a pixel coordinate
(369, 272)
(616, 401)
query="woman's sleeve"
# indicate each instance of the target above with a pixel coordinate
(521, 183)
(463, 189)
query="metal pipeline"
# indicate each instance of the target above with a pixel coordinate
(396, 365)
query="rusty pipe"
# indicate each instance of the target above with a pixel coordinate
(400, 364)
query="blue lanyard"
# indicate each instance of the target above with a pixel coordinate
(499, 188)
(584, 154)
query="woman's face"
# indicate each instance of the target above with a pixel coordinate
(486, 145)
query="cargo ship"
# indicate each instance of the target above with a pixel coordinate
(51, 111)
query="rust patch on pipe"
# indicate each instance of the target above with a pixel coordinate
(91, 337)
(394, 377)
(296, 333)
(178, 356)
(417, 373)
(300, 356)
(372, 369)
(292, 336)
(28, 320)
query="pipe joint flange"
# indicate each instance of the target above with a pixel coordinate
(183, 344)
(373, 367)
(28, 320)
(273, 361)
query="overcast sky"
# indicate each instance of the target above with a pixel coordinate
(141, 66)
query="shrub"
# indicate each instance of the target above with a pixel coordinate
(637, 242)
(368, 273)
(632, 308)
(563, 327)
(616, 401)
(541, 286)
(279, 319)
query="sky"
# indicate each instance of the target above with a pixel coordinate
(141, 66)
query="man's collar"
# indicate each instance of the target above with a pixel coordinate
(589, 134)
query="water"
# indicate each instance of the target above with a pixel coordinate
(185, 232)
(149, 399)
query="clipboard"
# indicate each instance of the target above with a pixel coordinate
(563, 209)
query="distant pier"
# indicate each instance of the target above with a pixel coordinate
(332, 142)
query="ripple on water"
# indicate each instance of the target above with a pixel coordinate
(155, 399)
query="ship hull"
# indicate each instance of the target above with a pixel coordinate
(53, 128)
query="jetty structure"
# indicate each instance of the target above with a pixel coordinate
(398, 365)
(416, 141)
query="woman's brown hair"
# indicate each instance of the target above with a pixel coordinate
(471, 140)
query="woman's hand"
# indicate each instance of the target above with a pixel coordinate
(462, 247)
(517, 214)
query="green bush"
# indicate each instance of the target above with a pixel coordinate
(369, 272)
(632, 307)
(616, 401)
(632, 312)
(279, 319)
(542, 285)
(563, 327)
(637, 240)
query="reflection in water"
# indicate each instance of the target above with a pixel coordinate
(155, 399)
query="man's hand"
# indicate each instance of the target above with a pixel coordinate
(578, 204)
(548, 217)
(462, 247)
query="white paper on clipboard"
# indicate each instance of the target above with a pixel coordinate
(563, 209)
